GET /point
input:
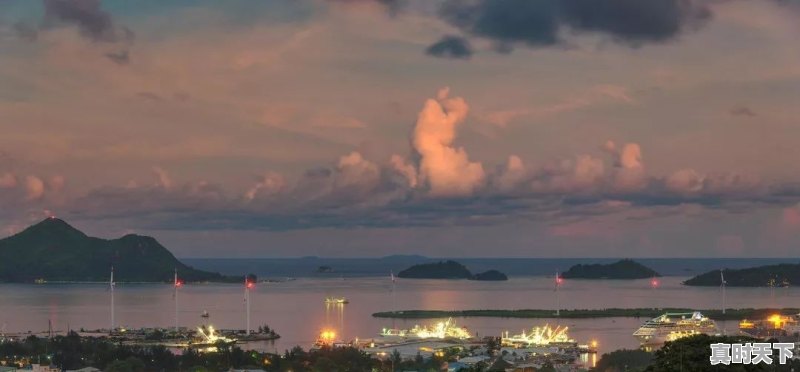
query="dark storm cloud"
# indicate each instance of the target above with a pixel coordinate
(94, 23)
(539, 23)
(455, 47)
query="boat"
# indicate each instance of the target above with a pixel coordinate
(774, 326)
(336, 300)
(673, 326)
(204, 314)
(440, 330)
(539, 336)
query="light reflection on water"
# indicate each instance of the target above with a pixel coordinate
(297, 310)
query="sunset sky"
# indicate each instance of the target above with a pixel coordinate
(539, 128)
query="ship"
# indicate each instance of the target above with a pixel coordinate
(775, 325)
(539, 336)
(441, 330)
(336, 300)
(673, 326)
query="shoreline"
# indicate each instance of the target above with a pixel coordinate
(715, 314)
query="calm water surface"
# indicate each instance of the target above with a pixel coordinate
(296, 309)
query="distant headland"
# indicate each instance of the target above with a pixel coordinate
(54, 251)
(782, 275)
(622, 269)
(448, 270)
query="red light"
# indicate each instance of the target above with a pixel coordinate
(179, 283)
(654, 283)
(250, 285)
(559, 280)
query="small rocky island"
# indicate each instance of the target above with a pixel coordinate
(781, 275)
(448, 270)
(622, 269)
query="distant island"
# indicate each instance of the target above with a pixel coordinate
(448, 270)
(716, 314)
(54, 251)
(762, 276)
(491, 275)
(622, 269)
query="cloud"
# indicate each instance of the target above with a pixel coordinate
(685, 181)
(629, 173)
(742, 111)
(407, 171)
(121, 58)
(267, 185)
(164, 180)
(8, 180)
(444, 168)
(603, 94)
(539, 23)
(452, 47)
(34, 188)
(94, 23)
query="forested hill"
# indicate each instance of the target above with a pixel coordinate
(52, 250)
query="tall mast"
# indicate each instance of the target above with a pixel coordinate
(111, 287)
(558, 299)
(247, 285)
(722, 283)
(394, 302)
(177, 284)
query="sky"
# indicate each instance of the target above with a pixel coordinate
(447, 128)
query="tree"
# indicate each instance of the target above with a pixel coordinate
(624, 360)
(691, 354)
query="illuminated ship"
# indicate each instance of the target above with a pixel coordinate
(539, 336)
(336, 300)
(440, 330)
(672, 326)
(775, 325)
(207, 339)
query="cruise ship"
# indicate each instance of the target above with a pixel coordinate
(672, 326)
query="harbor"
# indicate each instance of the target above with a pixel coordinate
(334, 312)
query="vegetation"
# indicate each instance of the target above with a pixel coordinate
(437, 270)
(716, 314)
(623, 269)
(624, 360)
(52, 250)
(761, 276)
(692, 354)
(74, 352)
(448, 270)
(491, 275)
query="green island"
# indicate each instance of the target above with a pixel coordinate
(54, 251)
(781, 275)
(448, 270)
(716, 314)
(622, 269)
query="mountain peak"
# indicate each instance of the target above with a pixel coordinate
(54, 226)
